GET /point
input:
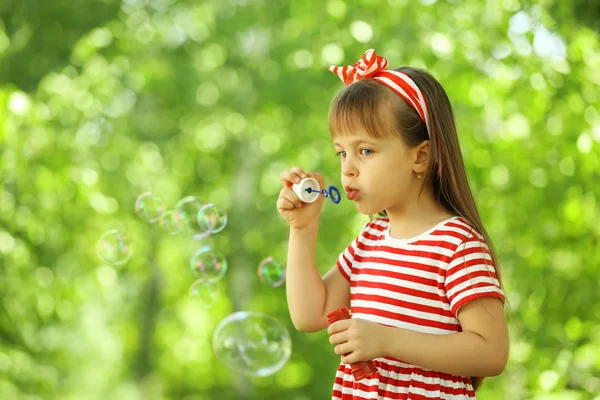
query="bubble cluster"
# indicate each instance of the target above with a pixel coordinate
(190, 215)
(114, 247)
(204, 292)
(208, 264)
(253, 343)
(271, 272)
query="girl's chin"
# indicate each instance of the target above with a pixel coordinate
(363, 209)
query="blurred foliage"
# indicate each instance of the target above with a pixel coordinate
(102, 100)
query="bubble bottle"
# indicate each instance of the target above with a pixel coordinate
(308, 190)
(360, 370)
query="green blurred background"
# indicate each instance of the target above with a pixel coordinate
(101, 100)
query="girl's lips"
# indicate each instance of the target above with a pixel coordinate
(352, 194)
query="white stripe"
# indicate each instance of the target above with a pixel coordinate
(402, 324)
(397, 282)
(434, 317)
(457, 265)
(387, 81)
(419, 301)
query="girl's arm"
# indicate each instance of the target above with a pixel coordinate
(310, 298)
(481, 349)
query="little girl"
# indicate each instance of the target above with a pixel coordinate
(422, 280)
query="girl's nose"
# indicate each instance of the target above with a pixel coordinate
(349, 169)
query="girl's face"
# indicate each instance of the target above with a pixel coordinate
(377, 174)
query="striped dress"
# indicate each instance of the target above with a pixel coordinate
(417, 284)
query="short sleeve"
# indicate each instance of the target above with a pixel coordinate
(471, 275)
(346, 257)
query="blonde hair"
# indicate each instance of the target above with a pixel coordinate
(382, 113)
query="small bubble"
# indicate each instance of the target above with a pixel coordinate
(212, 218)
(114, 247)
(204, 292)
(149, 207)
(271, 272)
(207, 264)
(172, 222)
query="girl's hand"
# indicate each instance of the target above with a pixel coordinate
(357, 340)
(297, 213)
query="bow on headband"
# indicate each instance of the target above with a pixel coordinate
(374, 67)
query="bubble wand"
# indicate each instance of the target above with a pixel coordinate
(308, 190)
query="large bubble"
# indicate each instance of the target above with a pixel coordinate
(187, 210)
(253, 343)
(208, 264)
(114, 247)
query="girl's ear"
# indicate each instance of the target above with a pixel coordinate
(421, 157)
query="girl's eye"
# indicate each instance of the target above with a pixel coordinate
(341, 154)
(366, 152)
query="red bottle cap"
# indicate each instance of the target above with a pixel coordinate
(364, 371)
(339, 314)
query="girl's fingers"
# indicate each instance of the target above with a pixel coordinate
(299, 171)
(284, 204)
(288, 200)
(288, 178)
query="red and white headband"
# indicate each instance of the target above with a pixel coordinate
(374, 67)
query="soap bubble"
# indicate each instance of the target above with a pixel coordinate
(271, 272)
(149, 207)
(212, 218)
(204, 292)
(188, 209)
(253, 343)
(114, 247)
(208, 264)
(172, 222)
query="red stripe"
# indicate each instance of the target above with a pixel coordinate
(409, 319)
(435, 243)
